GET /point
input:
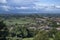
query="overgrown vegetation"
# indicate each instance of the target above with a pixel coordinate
(29, 27)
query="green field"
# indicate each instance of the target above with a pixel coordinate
(19, 21)
(28, 39)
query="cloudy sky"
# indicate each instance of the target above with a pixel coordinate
(29, 6)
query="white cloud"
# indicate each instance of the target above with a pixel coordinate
(3, 1)
(46, 6)
(22, 7)
(58, 7)
(8, 8)
(40, 6)
(22, 2)
(5, 8)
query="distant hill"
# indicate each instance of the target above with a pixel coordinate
(29, 14)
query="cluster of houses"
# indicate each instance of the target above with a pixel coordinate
(43, 24)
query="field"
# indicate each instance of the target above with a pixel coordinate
(19, 21)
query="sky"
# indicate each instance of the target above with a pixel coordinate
(29, 6)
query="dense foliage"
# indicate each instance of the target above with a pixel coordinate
(3, 31)
(35, 27)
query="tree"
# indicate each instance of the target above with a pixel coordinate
(19, 31)
(42, 35)
(57, 35)
(3, 31)
(52, 33)
(31, 32)
(47, 35)
(23, 31)
(54, 24)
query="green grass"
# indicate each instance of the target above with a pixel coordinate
(50, 38)
(15, 38)
(19, 21)
(28, 39)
